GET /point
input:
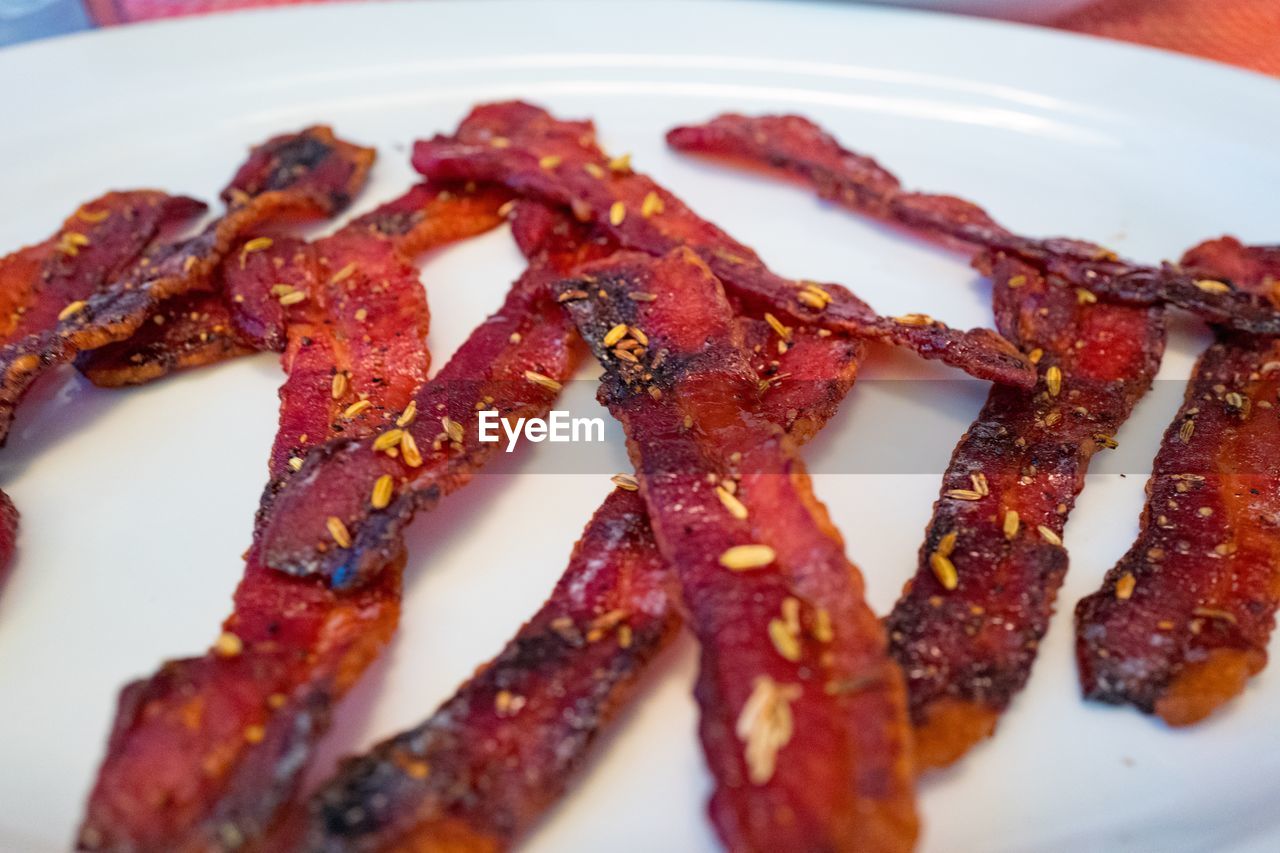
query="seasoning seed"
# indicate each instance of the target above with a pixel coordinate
(1053, 380)
(72, 308)
(409, 413)
(765, 725)
(626, 482)
(1011, 523)
(344, 273)
(614, 335)
(641, 296)
(339, 385)
(774, 323)
(944, 570)
(621, 163)
(741, 558)
(228, 645)
(652, 205)
(338, 531)
(409, 450)
(543, 381)
(1211, 286)
(593, 170)
(295, 463)
(736, 507)
(293, 298)
(382, 489)
(388, 440)
(963, 494)
(914, 320)
(550, 161)
(356, 408)
(1186, 430)
(453, 429)
(617, 213)
(783, 640)
(1125, 585)
(1048, 535)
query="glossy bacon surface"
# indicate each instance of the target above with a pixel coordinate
(242, 314)
(968, 625)
(204, 754)
(98, 242)
(522, 147)
(304, 175)
(512, 364)
(798, 147)
(803, 713)
(541, 704)
(1183, 620)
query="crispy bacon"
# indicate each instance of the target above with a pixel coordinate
(1183, 620)
(242, 314)
(513, 364)
(187, 331)
(38, 283)
(98, 242)
(803, 713)
(541, 704)
(306, 175)
(522, 147)
(796, 146)
(204, 754)
(968, 625)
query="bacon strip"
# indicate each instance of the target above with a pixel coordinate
(241, 315)
(969, 623)
(40, 282)
(527, 150)
(206, 752)
(513, 364)
(1183, 620)
(308, 174)
(798, 147)
(803, 713)
(541, 704)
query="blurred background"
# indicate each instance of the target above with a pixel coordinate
(1239, 32)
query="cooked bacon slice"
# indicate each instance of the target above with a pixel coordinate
(303, 175)
(205, 753)
(803, 713)
(187, 331)
(968, 625)
(1183, 620)
(98, 242)
(513, 364)
(242, 314)
(541, 704)
(525, 149)
(796, 146)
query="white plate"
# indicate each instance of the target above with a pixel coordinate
(136, 505)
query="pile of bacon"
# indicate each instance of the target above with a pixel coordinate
(816, 716)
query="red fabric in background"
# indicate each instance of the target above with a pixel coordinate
(1238, 32)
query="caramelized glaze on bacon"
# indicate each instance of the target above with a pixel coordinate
(1183, 620)
(541, 704)
(205, 753)
(243, 315)
(522, 147)
(803, 714)
(513, 364)
(796, 146)
(969, 623)
(98, 242)
(308, 174)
